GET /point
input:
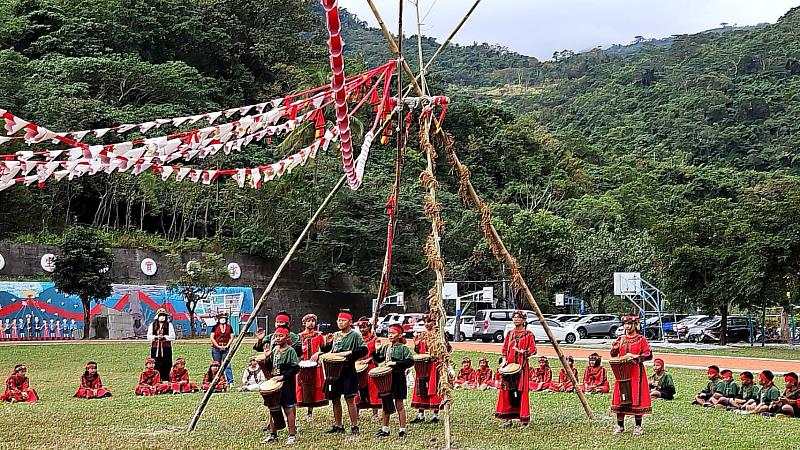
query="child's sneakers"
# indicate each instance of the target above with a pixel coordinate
(291, 439)
(618, 429)
(272, 437)
(638, 430)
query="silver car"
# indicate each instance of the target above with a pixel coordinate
(490, 324)
(595, 325)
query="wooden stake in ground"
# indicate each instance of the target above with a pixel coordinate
(261, 302)
(492, 235)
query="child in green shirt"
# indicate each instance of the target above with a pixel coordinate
(768, 394)
(749, 391)
(713, 385)
(397, 356)
(728, 389)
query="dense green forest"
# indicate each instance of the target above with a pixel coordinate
(679, 160)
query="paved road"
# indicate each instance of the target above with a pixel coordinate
(734, 363)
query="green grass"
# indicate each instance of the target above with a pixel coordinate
(233, 420)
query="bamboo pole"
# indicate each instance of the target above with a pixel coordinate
(494, 235)
(395, 192)
(447, 41)
(524, 287)
(427, 147)
(261, 302)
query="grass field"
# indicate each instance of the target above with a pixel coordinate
(233, 420)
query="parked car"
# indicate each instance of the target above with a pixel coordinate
(563, 318)
(651, 327)
(466, 328)
(681, 328)
(738, 329)
(560, 332)
(410, 321)
(490, 324)
(694, 333)
(595, 325)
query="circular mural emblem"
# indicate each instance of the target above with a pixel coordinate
(149, 267)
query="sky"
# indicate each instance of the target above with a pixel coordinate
(540, 27)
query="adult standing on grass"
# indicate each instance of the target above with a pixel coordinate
(635, 347)
(161, 333)
(513, 401)
(220, 336)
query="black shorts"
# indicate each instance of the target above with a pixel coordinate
(346, 385)
(399, 386)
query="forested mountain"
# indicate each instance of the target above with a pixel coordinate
(679, 161)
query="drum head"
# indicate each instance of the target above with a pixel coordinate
(270, 385)
(308, 364)
(380, 371)
(422, 357)
(510, 369)
(332, 357)
(361, 366)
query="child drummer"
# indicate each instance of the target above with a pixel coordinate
(348, 343)
(397, 356)
(283, 364)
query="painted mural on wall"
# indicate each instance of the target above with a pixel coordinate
(36, 310)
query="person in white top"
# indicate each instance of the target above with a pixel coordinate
(252, 376)
(161, 333)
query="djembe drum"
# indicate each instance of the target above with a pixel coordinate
(271, 390)
(422, 367)
(332, 364)
(623, 368)
(511, 373)
(307, 377)
(382, 376)
(362, 374)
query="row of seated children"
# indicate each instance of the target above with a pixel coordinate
(722, 391)
(150, 382)
(595, 377)
(480, 378)
(17, 385)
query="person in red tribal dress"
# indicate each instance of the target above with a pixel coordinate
(426, 392)
(179, 382)
(483, 377)
(311, 342)
(18, 387)
(542, 376)
(368, 397)
(513, 402)
(634, 344)
(465, 374)
(91, 385)
(564, 384)
(150, 380)
(222, 384)
(595, 378)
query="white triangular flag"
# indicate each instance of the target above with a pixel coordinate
(166, 171)
(240, 176)
(182, 172)
(100, 132)
(208, 176)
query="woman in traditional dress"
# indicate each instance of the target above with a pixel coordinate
(635, 347)
(161, 333)
(513, 402)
